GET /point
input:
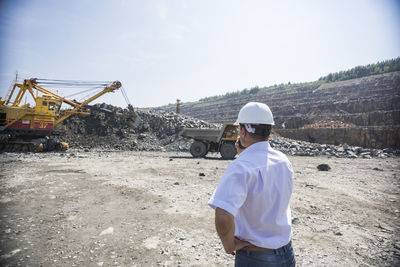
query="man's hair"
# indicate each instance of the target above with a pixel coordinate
(262, 131)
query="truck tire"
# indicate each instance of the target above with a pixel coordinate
(228, 150)
(198, 149)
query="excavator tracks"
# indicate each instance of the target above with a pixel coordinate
(33, 145)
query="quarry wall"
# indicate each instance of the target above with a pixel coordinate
(373, 137)
(358, 104)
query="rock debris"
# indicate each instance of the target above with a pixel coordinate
(113, 128)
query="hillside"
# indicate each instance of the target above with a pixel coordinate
(363, 111)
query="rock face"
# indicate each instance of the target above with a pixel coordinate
(365, 102)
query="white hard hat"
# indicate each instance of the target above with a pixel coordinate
(255, 113)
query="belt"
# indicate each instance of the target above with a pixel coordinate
(255, 248)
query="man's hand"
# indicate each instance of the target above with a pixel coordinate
(239, 244)
(238, 149)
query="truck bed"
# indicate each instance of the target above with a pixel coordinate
(211, 135)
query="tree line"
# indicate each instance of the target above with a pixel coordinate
(356, 72)
(362, 71)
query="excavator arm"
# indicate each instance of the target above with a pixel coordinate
(26, 86)
(78, 107)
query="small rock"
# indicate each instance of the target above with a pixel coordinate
(108, 231)
(202, 174)
(338, 233)
(377, 169)
(388, 150)
(142, 136)
(295, 220)
(358, 150)
(323, 167)
(351, 154)
(9, 255)
(176, 183)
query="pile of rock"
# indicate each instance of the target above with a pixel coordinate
(114, 128)
(301, 148)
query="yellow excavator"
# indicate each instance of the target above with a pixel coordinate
(24, 128)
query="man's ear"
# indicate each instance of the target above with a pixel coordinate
(243, 131)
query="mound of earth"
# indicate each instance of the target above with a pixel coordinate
(110, 127)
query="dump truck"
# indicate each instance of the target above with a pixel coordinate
(24, 128)
(212, 140)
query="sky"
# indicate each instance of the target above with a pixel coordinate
(190, 49)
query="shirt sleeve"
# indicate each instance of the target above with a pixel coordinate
(231, 191)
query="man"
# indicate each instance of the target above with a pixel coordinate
(251, 201)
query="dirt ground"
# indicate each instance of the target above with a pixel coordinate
(150, 209)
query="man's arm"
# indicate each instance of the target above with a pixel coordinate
(225, 225)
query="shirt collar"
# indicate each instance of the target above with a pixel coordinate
(263, 146)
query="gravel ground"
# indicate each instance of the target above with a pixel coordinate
(150, 209)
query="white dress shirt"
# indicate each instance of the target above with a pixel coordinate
(256, 189)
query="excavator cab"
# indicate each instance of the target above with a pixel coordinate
(47, 105)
